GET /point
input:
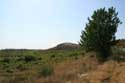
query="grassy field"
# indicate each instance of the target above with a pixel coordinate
(23, 65)
(55, 66)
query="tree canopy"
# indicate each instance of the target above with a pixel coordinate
(100, 31)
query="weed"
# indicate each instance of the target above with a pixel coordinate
(30, 58)
(21, 67)
(47, 70)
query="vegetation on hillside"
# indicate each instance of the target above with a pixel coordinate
(50, 66)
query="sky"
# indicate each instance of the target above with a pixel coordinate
(42, 24)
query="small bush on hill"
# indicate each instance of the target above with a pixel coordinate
(53, 56)
(9, 70)
(30, 58)
(73, 54)
(118, 51)
(6, 59)
(21, 67)
(47, 70)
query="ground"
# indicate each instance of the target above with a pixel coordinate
(60, 66)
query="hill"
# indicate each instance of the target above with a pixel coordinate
(66, 46)
(121, 43)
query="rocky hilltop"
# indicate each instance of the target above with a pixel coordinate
(66, 46)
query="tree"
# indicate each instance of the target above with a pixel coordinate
(100, 32)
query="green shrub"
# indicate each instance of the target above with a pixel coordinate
(82, 53)
(21, 67)
(20, 58)
(5, 66)
(47, 70)
(30, 58)
(6, 59)
(53, 56)
(40, 58)
(73, 54)
(9, 70)
(118, 51)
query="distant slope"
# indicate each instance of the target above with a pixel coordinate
(62, 46)
(66, 46)
(121, 43)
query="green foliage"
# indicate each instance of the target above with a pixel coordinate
(9, 70)
(6, 59)
(100, 32)
(118, 53)
(21, 67)
(30, 58)
(53, 56)
(30, 63)
(73, 54)
(47, 70)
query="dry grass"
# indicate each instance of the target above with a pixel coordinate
(69, 71)
(87, 70)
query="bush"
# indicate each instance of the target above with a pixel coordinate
(47, 70)
(53, 56)
(30, 58)
(73, 54)
(118, 51)
(118, 54)
(9, 70)
(21, 67)
(6, 59)
(82, 53)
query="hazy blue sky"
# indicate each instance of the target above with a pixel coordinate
(46, 23)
